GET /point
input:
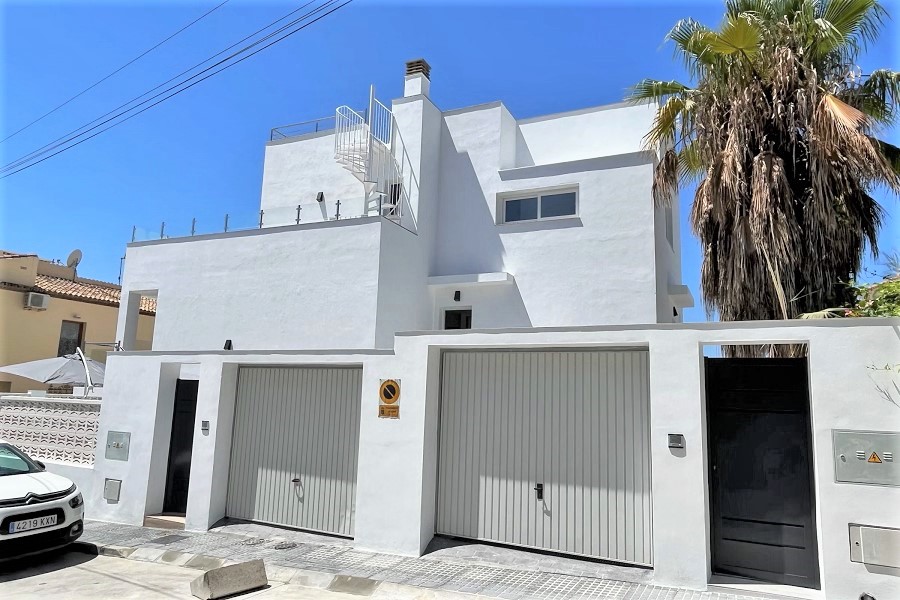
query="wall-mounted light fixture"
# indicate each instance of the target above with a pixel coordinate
(676, 440)
(228, 345)
(457, 296)
(320, 197)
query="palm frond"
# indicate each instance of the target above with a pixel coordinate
(878, 96)
(690, 38)
(840, 131)
(665, 178)
(890, 152)
(852, 19)
(844, 114)
(690, 165)
(652, 89)
(738, 35)
(760, 8)
(825, 313)
(665, 123)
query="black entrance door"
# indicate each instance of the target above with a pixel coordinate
(760, 470)
(180, 446)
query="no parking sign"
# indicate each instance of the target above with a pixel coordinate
(389, 399)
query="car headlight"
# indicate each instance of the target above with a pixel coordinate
(76, 501)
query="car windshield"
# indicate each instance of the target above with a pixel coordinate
(14, 462)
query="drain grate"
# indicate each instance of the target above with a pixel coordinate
(168, 539)
(284, 545)
(253, 542)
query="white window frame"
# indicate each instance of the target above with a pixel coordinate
(502, 199)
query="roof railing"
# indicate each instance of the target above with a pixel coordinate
(312, 126)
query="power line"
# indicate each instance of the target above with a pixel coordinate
(290, 33)
(67, 137)
(133, 60)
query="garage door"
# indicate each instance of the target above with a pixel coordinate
(295, 447)
(547, 450)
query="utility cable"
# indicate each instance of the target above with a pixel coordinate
(130, 62)
(290, 33)
(65, 138)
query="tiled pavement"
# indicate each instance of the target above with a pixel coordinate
(317, 560)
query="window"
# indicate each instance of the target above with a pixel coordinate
(13, 462)
(544, 206)
(522, 209)
(458, 319)
(71, 336)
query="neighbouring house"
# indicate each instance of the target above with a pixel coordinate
(461, 323)
(47, 310)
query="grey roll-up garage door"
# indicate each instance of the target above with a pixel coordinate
(576, 422)
(296, 423)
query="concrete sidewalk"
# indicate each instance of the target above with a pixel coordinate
(79, 576)
(324, 563)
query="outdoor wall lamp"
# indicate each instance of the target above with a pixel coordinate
(457, 295)
(320, 197)
(676, 440)
(228, 345)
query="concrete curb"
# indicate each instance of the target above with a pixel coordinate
(201, 562)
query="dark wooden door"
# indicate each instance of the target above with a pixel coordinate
(180, 446)
(760, 470)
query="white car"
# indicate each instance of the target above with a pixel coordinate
(38, 510)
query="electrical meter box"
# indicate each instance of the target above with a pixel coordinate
(866, 457)
(117, 443)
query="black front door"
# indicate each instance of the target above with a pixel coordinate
(180, 446)
(760, 470)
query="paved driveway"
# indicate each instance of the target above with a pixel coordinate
(79, 576)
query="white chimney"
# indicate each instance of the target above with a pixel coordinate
(418, 78)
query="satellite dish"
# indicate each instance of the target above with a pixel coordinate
(74, 259)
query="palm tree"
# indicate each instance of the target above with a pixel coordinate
(778, 130)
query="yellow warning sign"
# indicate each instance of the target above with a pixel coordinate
(389, 411)
(874, 458)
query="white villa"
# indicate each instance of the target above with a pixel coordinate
(465, 217)
(467, 324)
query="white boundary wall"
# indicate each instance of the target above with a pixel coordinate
(401, 455)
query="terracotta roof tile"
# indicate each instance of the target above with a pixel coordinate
(88, 291)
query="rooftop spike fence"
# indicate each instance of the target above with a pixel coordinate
(281, 216)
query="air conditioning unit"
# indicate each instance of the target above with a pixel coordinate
(35, 301)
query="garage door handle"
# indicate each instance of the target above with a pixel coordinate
(539, 491)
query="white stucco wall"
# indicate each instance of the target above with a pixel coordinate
(405, 260)
(840, 354)
(496, 305)
(143, 388)
(297, 169)
(598, 267)
(668, 263)
(403, 300)
(601, 131)
(81, 475)
(401, 455)
(311, 286)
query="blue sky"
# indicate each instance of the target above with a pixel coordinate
(199, 155)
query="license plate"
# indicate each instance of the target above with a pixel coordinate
(29, 524)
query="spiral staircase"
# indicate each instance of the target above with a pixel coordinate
(367, 146)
